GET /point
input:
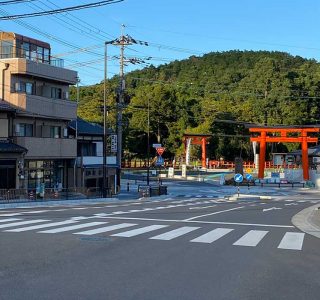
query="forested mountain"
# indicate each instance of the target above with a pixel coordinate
(214, 93)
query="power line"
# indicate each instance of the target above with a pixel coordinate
(61, 10)
(14, 2)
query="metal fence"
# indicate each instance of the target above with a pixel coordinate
(29, 195)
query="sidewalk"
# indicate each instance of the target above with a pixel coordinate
(308, 220)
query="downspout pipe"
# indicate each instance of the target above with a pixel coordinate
(6, 67)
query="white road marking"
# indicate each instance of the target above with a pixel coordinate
(202, 207)
(251, 238)
(35, 212)
(302, 201)
(73, 227)
(214, 213)
(202, 222)
(9, 220)
(11, 215)
(271, 208)
(105, 229)
(41, 226)
(292, 203)
(79, 208)
(139, 231)
(212, 235)
(22, 223)
(292, 241)
(174, 233)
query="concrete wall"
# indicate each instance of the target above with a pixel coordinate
(48, 148)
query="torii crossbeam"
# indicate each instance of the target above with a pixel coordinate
(282, 134)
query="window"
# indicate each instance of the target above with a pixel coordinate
(29, 88)
(39, 54)
(23, 129)
(24, 87)
(56, 93)
(46, 53)
(6, 49)
(33, 52)
(55, 132)
(25, 49)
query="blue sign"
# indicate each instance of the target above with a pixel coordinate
(238, 178)
(160, 161)
(249, 177)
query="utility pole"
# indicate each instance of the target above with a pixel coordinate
(122, 42)
(105, 183)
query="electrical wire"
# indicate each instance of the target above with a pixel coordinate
(61, 10)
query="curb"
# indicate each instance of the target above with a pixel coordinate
(248, 197)
(308, 220)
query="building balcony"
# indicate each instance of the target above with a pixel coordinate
(56, 108)
(24, 66)
(88, 161)
(48, 148)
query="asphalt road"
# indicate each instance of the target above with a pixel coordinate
(179, 248)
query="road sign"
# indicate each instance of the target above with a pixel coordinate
(248, 170)
(238, 178)
(249, 177)
(159, 161)
(160, 150)
(114, 143)
(156, 145)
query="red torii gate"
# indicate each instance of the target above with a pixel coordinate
(198, 139)
(303, 138)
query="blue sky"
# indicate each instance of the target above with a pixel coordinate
(175, 29)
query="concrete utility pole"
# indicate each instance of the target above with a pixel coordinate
(122, 42)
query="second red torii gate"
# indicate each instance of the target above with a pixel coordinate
(198, 139)
(282, 136)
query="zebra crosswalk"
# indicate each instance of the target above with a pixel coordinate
(252, 238)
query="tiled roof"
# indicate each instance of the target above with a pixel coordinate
(8, 147)
(86, 128)
(5, 106)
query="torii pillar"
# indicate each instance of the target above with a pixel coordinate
(198, 139)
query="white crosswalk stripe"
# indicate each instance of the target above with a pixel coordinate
(73, 227)
(292, 241)
(41, 226)
(289, 241)
(174, 233)
(139, 231)
(15, 224)
(35, 211)
(105, 229)
(10, 215)
(251, 238)
(9, 220)
(212, 235)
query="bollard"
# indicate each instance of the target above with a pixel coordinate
(128, 187)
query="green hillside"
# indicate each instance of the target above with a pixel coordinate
(213, 93)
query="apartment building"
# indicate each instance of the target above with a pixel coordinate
(34, 114)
